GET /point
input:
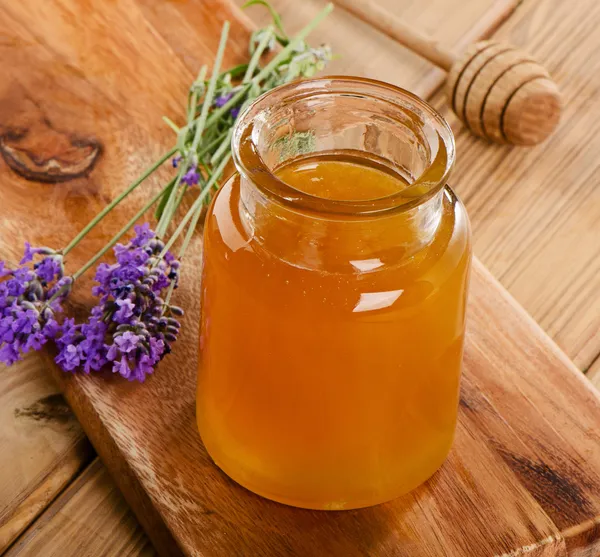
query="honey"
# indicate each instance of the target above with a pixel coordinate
(331, 341)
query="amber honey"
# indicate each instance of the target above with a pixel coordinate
(331, 346)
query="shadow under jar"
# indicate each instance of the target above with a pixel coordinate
(336, 266)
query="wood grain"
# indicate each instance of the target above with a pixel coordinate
(58, 88)
(42, 446)
(493, 485)
(90, 518)
(364, 51)
(383, 532)
(85, 100)
(524, 472)
(498, 93)
(593, 373)
(535, 212)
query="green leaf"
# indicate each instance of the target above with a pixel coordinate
(236, 71)
(163, 200)
(276, 17)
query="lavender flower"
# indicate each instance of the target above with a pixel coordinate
(192, 176)
(223, 99)
(131, 327)
(29, 301)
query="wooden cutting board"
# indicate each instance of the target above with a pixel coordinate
(524, 474)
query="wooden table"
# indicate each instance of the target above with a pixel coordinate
(534, 212)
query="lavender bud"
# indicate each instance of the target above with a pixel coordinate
(172, 330)
(30, 295)
(170, 337)
(36, 290)
(176, 310)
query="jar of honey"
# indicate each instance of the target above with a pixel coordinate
(336, 266)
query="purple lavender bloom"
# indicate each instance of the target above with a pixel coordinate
(143, 234)
(28, 255)
(49, 268)
(82, 346)
(29, 300)
(70, 358)
(125, 311)
(131, 327)
(222, 100)
(191, 177)
(126, 342)
(235, 111)
(175, 161)
(9, 354)
(30, 252)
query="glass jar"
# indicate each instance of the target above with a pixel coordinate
(336, 265)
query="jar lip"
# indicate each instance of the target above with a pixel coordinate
(253, 167)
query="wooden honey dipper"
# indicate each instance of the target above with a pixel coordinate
(497, 91)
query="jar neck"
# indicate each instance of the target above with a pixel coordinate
(353, 118)
(336, 243)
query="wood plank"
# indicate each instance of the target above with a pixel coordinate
(89, 518)
(364, 51)
(555, 544)
(197, 513)
(54, 103)
(550, 387)
(593, 373)
(535, 212)
(517, 433)
(83, 98)
(42, 446)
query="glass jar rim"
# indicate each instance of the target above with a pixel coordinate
(253, 168)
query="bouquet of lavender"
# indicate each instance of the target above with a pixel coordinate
(133, 325)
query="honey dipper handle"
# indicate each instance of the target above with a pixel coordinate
(390, 25)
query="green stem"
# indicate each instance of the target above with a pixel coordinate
(283, 53)
(262, 45)
(191, 114)
(210, 92)
(201, 153)
(226, 144)
(211, 145)
(119, 234)
(197, 203)
(116, 201)
(276, 17)
(171, 124)
(186, 241)
(195, 217)
(167, 213)
(216, 115)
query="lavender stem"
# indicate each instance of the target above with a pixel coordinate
(116, 201)
(262, 45)
(121, 232)
(197, 204)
